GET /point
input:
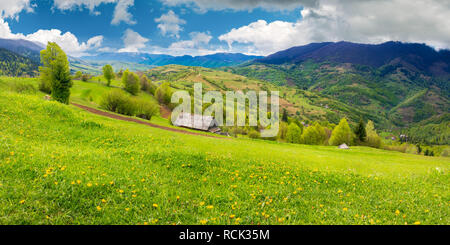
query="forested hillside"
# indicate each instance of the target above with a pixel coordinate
(12, 64)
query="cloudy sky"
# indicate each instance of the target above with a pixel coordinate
(198, 27)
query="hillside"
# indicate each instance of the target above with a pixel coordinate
(61, 165)
(402, 83)
(12, 64)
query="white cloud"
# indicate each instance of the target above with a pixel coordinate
(67, 41)
(197, 45)
(425, 21)
(204, 5)
(11, 9)
(121, 13)
(133, 41)
(73, 4)
(170, 24)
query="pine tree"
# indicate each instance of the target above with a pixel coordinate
(360, 131)
(284, 118)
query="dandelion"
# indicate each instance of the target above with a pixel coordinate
(417, 223)
(232, 216)
(121, 191)
(202, 203)
(22, 201)
(127, 209)
(210, 207)
(103, 201)
(78, 181)
(155, 205)
(345, 209)
(397, 212)
(89, 185)
(203, 221)
(99, 208)
(12, 153)
(339, 191)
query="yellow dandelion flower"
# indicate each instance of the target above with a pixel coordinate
(120, 191)
(417, 223)
(22, 201)
(232, 216)
(397, 212)
(203, 221)
(155, 205)
(345, 209)
(339, 191)
(78, 181)
(202, 203)
(127, 209)
(210, 207)
(103, 201)
(99, 208)
(88, 184)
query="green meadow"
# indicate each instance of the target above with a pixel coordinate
(62, 165)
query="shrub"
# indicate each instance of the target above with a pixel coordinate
(113, 100)
(120, 102)
(85, 77)
(144, 109)
(253, 134)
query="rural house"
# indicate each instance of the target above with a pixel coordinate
(198, 122)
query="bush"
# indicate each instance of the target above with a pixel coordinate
(144, 109)
(119, 102)
(253, 134)
(85, 77)
(113, 100)
(314, 135)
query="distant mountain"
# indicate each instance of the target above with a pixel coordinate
(22, 47)
(209, 61)
(13, 64)
(419, 56)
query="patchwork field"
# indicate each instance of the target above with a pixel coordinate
(62, 165)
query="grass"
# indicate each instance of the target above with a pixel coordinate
(62, 165)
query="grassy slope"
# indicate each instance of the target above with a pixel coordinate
(58, 163)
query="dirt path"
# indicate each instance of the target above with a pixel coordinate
(128, 119)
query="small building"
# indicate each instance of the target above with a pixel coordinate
(197, 122)
(344, 146)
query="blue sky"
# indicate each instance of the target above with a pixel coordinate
(199, 27)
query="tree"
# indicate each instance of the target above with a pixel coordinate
(284, 118)
(360, 131)
(164, 93)
(373, 139)
(341, 134)
(144, 83)
(78, 75)
(283, 130)
(108, 73)
(293, 134)
(314, 135)
(419, 149)
(55, 71)
(131, 82)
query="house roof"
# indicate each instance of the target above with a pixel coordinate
(196, 121)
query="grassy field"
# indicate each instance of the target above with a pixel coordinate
(61, 165)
